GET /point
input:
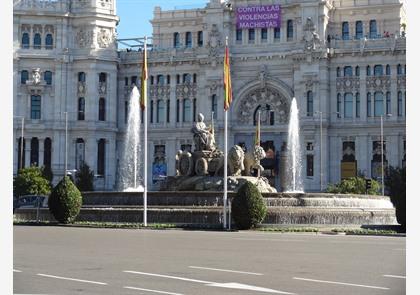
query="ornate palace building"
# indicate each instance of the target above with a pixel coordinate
(343, 60)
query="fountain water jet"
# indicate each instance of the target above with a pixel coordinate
(130, 168)
(294, 165)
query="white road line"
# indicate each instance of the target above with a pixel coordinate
(394, 276)
(259, 239)
(15, 270)
(168, 277)
(231, 285)
(227, 270)
(340, 283)
(71, 279)
(153, 291)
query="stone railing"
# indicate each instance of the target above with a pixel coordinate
(388, 43)
(44, 5)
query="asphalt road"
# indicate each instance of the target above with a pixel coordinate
(61, 260)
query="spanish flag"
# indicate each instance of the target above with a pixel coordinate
(258, 132)
(144, 77)
(227, 80)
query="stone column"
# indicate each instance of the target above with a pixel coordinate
(172, 99)
(27, 152)
(41, 151)
(362, 159)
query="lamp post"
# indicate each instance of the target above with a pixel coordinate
(382, 152)
(65, 145)
(21, 140)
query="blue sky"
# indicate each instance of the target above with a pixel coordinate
(136, 14)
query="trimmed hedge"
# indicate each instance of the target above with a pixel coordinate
(248, 207)
(65, 201)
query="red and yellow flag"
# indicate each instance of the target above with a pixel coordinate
(227, 80)
(258, 132)
(144, 77)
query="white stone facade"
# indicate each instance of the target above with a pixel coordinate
(333, 56)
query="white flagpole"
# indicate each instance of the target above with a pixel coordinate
(225, 163)
(145, 148)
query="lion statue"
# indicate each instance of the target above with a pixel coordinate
(236, 160)
(252, 160)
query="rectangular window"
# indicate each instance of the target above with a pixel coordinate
(388, 103)
(264, 35)
(289, 30)
(101, 109)
(345, 31)
(348, 105)
(133, 80)
(126, 112)
(239, 35)
(200, 38)
(214, 105)
(35, 107)
(251, 35)
(101, 157)
(177, 110)
(338, 105)
(369, 105)
(276, 34)
(160, 80)
(81, 109)
(357, 105)
(378, 104)
(151, 111)
(359, 29)
(400, 104)
(309, 165)
(168, 109)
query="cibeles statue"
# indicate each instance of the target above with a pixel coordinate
(203, 136)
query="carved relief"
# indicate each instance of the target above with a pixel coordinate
(84, 38)
(104, 38)
(186, 91)
(348, 84)
(81, 88)
(160, 92)
(310, 36)
(262, 96)
(401, 82)
(214, 42)
(378, 83)
(102, 88)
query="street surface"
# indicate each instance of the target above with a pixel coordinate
(61, 260)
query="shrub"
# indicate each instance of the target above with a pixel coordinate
(65, 201)
(354, 185)
(248, 207)
(84, 178)
(30, 181)
(395, 185)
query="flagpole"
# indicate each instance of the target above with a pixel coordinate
(258, 137)
(225, 161)
(145, 140)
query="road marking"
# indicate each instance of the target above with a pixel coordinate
(154, 291)
(15, 270)
(340, 283)
(394, 276)
(231, 285)
(227, 270)
(71, 279)
(259, 239)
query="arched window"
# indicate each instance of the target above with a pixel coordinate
(388, 103)
(195, 78)
(25, 40)
(200, 39)
(102, 109)
(214, 105)
(251, 35)
(357, 105)
(388, 70)
(49, 41)
(400, 104)
(126, 81)
(80, 152)
(101, 157)
(345, 31)
(368, 72)
(81, 109)
(338, 72)
(309, 104)
(378, 104)
(338, 105)
(289, 30)
(24, 76)
(194, 114)
(160, 80)
(177, 110)
(37, 41)
(151, 111)
(81, 76)
(168, 109)
(348, 105)
(277, 34)
(21, 153)
(359, 29)
(168, 79)
(102, 77)
(348, 71)
(35, 107)
(186, 110)
(176, 40)
(34, 151)
(378, 70)
(188, 39)
(178, 79)
(133, 80)
(48, 77)
(372, 29)
(186, 78)
(264, 34)
(160, 111)
(357, 71)
(399, 70)
(266, 115)
(47, 152)
(369, 104)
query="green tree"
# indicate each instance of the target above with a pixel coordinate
(30, 181)
(65, 201)
(248, 207)
(395, 184)
(354, 185)
(84, 178)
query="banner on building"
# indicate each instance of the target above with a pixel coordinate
(262, 16)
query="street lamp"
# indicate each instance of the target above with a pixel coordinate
(382, 152)
(21, 140)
